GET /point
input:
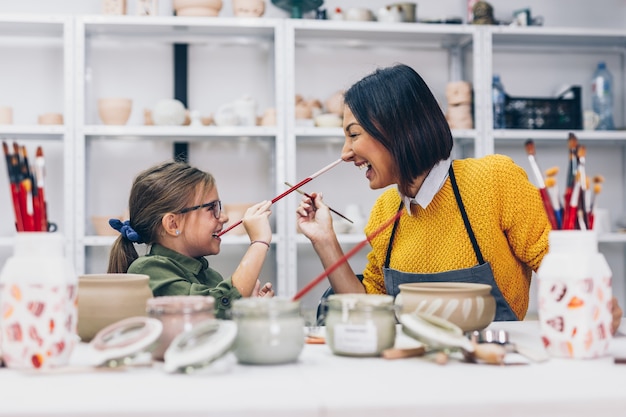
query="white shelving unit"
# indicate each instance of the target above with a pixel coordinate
(272, 60)
(223, 151)
(48, 87)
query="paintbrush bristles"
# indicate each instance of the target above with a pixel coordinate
(552, 172)
(530, 147)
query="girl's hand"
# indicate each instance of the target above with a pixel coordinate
(265, 291)
(256, 221)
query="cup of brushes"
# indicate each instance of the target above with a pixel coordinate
(27, 184)
(575, 210)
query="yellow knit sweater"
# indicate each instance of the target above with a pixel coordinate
(506, 214)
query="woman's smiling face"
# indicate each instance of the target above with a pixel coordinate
(367, 152)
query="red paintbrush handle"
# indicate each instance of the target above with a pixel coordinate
(15, 194)
(345, 257)
(569, 218)
(44, 210)
(547, 204)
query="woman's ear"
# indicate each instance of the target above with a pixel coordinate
(170, 224)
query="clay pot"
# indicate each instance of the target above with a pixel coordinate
(104, 299)
(468, 305)
(334, 103)
(197, 7)
(115, 110)
(102, 227)
(248, 8)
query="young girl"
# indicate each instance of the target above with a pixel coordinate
(175, 209)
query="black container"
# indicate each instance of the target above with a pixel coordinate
(545, 113)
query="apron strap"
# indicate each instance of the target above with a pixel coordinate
(468, 226)
(393, 234)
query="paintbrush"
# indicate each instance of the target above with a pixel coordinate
(571, 210)
(572, 168)
(26, 191)
(289, 191)
(14, 185)
(345, 257)
(547, 204)
(554, 197)
(585, 201)
(40, 173)
(597, 187)
(311, 197)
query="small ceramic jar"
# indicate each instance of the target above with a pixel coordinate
(360, 324)
(178, 314)
(269, 330)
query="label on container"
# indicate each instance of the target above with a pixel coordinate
(38, 324)
(356, 338)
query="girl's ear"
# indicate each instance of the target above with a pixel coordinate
(170, 224)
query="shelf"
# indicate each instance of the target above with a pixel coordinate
(561, 38)
(26, 26)
(180, 29)
(354, 34)
(614, 136)
(33, 131)
(168, 132)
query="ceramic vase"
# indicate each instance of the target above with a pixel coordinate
(575, 296)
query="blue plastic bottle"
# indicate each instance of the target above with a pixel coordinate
(602, 96)
(498, 96)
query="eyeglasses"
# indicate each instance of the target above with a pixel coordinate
(215, 206)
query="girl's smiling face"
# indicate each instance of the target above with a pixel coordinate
(367, 152)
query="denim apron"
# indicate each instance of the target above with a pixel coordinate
(480, 273)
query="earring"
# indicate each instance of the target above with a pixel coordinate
(177, 232)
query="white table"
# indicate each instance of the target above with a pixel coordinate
(322, 384)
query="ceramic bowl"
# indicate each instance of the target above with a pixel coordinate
(248, 8)
(114, 110)
(104, 299)
(467, 305)
(50, 119)
(197, 7)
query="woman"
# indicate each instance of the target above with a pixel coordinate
(175, 209)
(478, 220)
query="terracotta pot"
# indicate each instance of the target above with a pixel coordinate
(50, 119)
(104, 299)
(197, 7)
(468, 305)
(115, 110)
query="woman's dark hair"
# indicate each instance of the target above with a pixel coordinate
(165, 188)
(395, 106)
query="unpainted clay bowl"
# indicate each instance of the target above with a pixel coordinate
(248, 8)
(102, 227)
(104, 299)
(468, 305)
(114, 110)
(209, 8)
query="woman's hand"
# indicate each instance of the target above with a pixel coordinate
(256, 221)
(314, 218)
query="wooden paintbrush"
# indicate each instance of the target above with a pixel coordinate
(14, 185)
(309, 195)
(547, 204)
(572, 168)
(40, 174)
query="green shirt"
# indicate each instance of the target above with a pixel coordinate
(172, 273)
